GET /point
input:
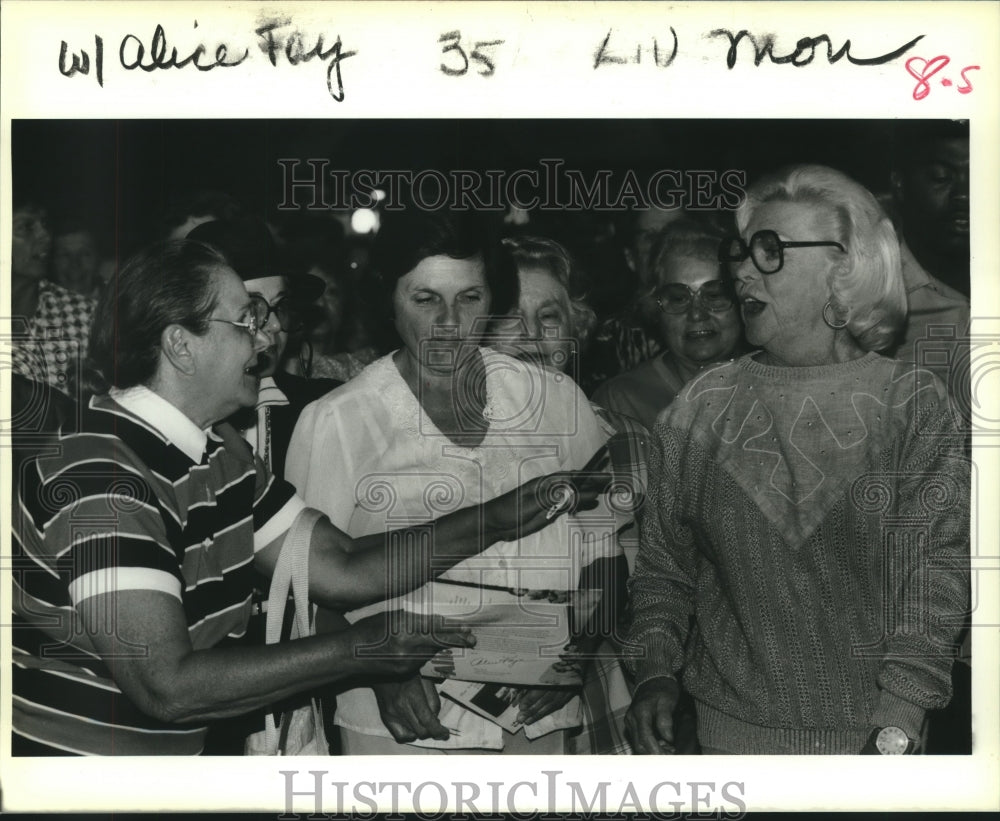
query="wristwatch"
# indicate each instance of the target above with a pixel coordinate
(891, 741)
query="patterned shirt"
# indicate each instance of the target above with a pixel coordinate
(140, 499)
(619, 345)
(50, 346)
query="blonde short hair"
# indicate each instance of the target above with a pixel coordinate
(868, 287)
(553, 257)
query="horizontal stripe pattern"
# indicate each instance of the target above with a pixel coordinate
(121, 508)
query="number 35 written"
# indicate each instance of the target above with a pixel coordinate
(482, 53)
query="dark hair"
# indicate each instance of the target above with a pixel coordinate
(206, 202)
(409, 236)
(166, 283)
(912, 139)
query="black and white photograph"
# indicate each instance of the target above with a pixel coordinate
(734, 376)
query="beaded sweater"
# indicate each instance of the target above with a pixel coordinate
(815, 523)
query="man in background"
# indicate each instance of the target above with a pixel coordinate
(930, 200)
(50, 324)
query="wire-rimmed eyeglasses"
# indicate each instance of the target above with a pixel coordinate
(259, 313)
(765, 249)
(251, 326)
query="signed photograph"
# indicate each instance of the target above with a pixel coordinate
(499, 405)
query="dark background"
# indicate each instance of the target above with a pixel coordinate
(124, 174)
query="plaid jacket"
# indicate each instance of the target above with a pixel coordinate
(50, 346)
(606, 692)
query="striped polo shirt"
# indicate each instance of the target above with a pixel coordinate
(140, 499)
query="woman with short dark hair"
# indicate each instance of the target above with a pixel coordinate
(443, 421)
(135, 311)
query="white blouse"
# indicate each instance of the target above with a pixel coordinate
(369, 457)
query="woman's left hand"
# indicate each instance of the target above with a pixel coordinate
(537, 702)
(534, 703)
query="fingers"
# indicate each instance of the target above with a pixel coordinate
(649, 726)
(450, 634)
(640, 731)
(423, 711)
(592, 482)
(574, 491)
(444, 664)
(425, 635)
(455, 637)
(401, 733)
(400, 642)
(665, 727)
(431, 696)
(409, 710)
(537, 703)
(589, 488)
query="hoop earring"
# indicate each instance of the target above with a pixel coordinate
(837, 325)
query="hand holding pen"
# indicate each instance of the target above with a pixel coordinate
(569, 491)
(534, 505)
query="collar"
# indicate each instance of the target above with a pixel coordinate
(916, 276)
(269, 393)
(54, 290)
(165, 418)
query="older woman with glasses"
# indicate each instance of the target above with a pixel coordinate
(803, 560)
(278, 297)
(695, 306)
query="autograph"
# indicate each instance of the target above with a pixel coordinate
(277, 39)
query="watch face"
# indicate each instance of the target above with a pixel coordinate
(892, 741)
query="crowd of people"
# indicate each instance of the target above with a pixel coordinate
(782, 397)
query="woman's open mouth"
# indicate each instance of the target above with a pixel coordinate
(255, 369)
(701, 333)
(751, 306)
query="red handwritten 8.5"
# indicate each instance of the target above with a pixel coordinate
(922, 70)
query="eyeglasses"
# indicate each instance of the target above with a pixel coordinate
(716, 295)
(766, 250)
(284, 309)
(251, 326)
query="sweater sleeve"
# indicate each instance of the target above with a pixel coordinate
(662, 586)
(927, 573)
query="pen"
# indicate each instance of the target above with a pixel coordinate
(563, 501)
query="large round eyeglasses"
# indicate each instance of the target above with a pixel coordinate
(285, 309)
(716, 295)
(766, 250)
